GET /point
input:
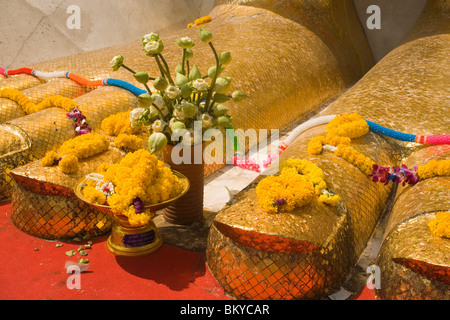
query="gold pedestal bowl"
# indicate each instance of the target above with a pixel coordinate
(128, 240)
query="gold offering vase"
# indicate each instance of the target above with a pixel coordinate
(132, 241)
(127, 240)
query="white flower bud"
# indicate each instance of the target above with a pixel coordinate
(116, 62)
(158, 125)
(135, 115)
(185, 43)
(207, 120)
(200, 85)
(172, 92)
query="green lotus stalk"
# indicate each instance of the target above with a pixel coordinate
(167, 68)
(165, 74)
(213, 82)
(129, 69)
(136, 73)
(183, 61)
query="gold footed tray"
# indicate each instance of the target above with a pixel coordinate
(127, 240)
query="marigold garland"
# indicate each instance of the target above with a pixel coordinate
(348, 125)
(365, 164)
(117, 124)
(73, 150)
(29, 107)
(69, 164)
(440, 225)
(128, 142)
(292, 188)
(139, 175)
(93, 195)
(299, 182)
(85, 146)
(434, 168)
(200, 21)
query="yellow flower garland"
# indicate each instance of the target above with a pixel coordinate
(85, 146)
(363, 163)
(93, 195)
(69, 164)
(138, 175)
(297, 185)
(200, 21)
(348, 125)
(73, 150)
(29, 107)
(128, 142)
(117, 124)
(440, 225)
(434, 168)
(340, 131)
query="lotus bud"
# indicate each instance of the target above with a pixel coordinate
(220, 110)
(189, 109)
(220, 98)
(136, 114)
(153, 47)
(223, 85)
(152, 115)
(179, 69)
(205, 35)
(224, 121)
(181, 80)
(186, 91)
(141, 77)
(225, 58)
(200, 85)
(146, 99)
(178, 113)
(172, 92)
(157, 141)
(194, 74)
(188, 55)
(189, 138)
(116, 62)
(160, 84)
(238, 96)
(185, 43)
(177, 125)
(149, 37)
(207, 120)
(158, 126)
(212, 71)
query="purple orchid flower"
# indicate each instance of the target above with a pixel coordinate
(139, 206)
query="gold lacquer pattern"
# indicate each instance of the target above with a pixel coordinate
(56, 217)
(48, 129)
(322, 241)
(252, 32)
(44, 204)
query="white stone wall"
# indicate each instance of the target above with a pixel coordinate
(36, 30)
(396, 19)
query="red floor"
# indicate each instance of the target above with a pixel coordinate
(34, 269)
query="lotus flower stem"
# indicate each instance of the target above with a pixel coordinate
(213, 82)
(167, 68)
